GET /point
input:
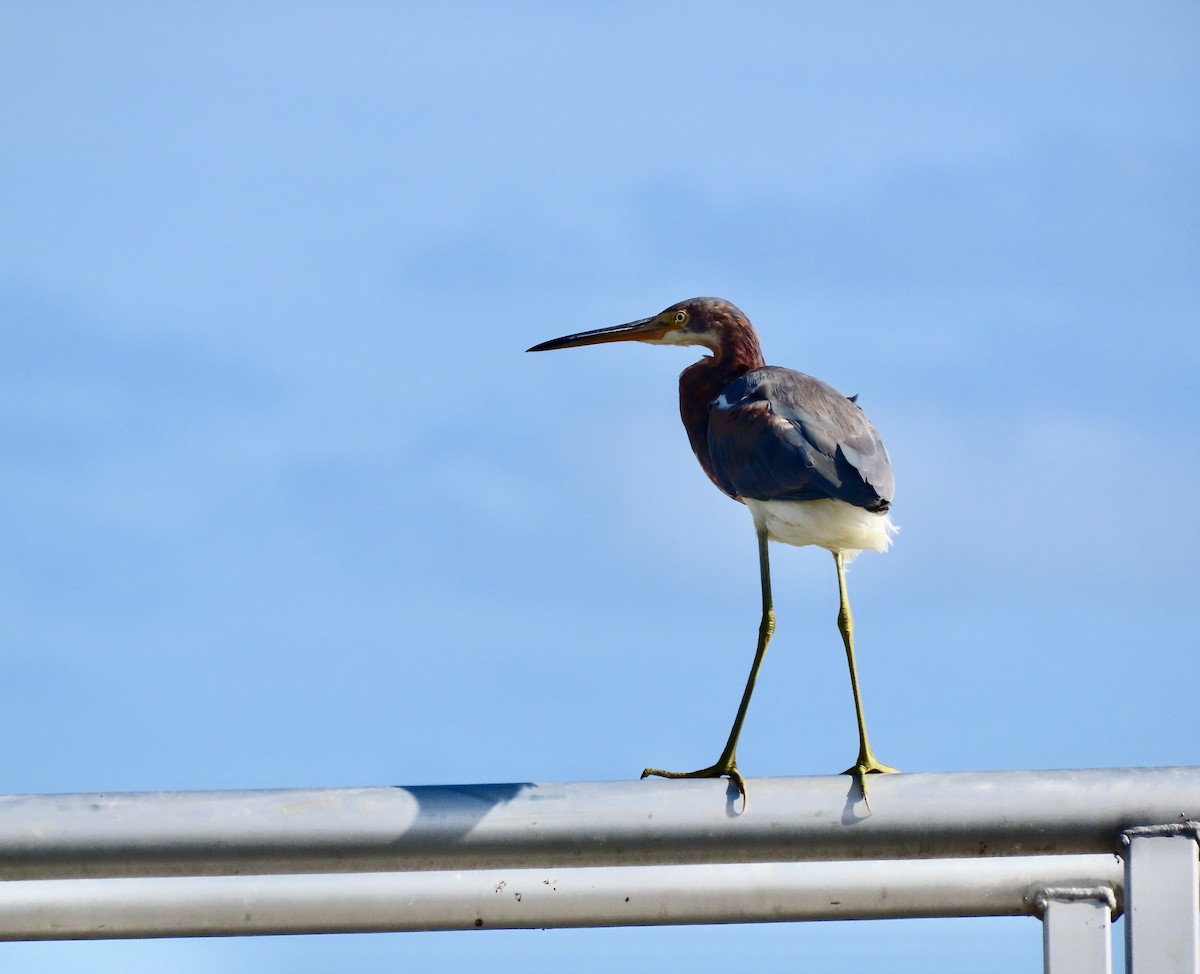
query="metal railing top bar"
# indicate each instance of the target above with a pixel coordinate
(652, 822)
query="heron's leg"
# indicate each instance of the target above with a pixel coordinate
(726, 764)
(867, 763)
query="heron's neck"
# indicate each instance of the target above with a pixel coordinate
(700, 384)
(736, 353)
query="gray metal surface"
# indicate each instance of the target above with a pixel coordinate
(1162, 934)
(1076, 929)
(652, 822)
(525, 898)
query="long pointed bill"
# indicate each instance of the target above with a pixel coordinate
(645, 329)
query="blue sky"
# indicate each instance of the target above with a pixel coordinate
(286, 504)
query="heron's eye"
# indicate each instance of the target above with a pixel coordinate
(681, 317)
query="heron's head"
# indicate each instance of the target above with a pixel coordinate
(697, 321)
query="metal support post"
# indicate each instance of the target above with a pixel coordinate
(1162, 890)
(1076, 929)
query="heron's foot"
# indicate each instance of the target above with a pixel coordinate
(871, 766)
(724, 768)
(868, 764)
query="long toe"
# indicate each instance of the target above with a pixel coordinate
(721, 769)
(717, 770)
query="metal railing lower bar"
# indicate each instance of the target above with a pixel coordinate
(63, 909)
(652, 822)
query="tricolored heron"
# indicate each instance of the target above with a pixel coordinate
(802, 457)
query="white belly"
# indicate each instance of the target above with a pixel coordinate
(831, 524)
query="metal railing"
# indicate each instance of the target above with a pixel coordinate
(1071, 847)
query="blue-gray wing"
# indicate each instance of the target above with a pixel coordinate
(775, 434)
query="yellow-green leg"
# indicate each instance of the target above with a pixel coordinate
(867, 763)
(726, 764)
